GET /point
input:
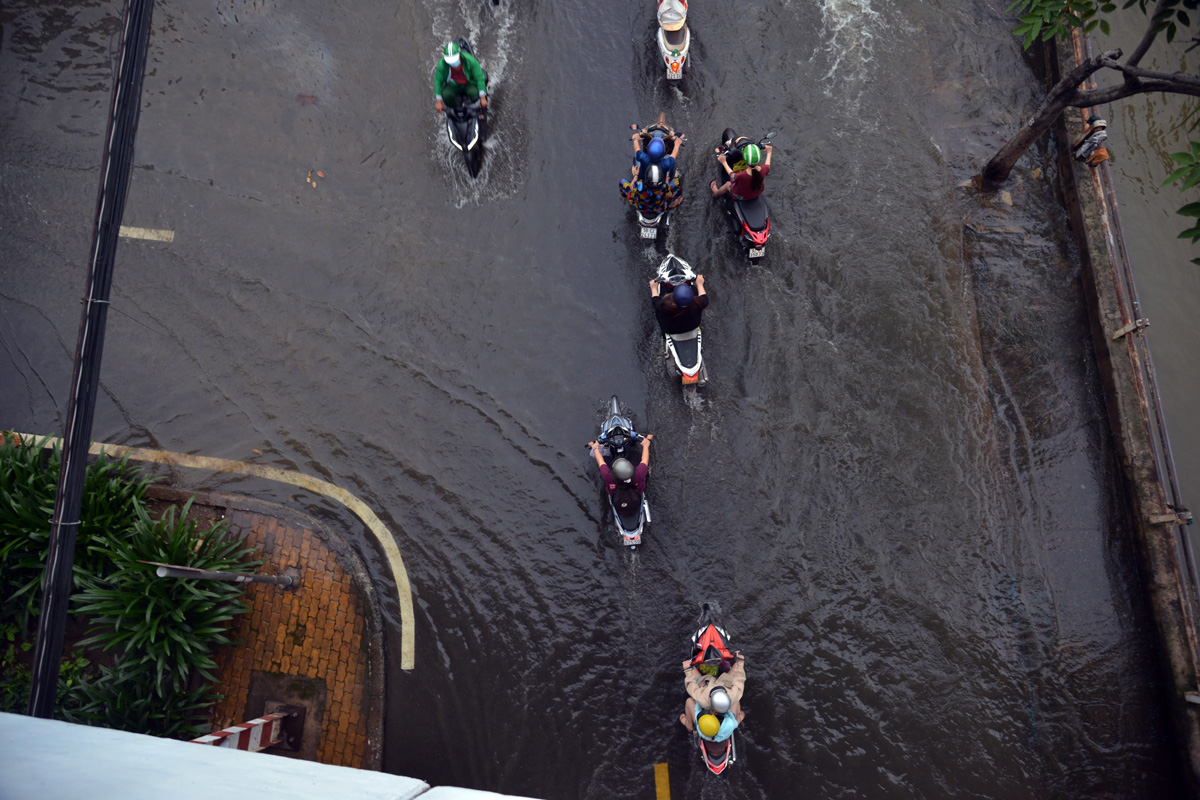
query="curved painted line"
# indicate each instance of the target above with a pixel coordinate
(316, 485)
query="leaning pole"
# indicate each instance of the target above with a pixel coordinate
(85, 378)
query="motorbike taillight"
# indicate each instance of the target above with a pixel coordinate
(758, 238)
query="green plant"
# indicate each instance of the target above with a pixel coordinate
(124, 698)
(28, 484)
(111, 492)
(1046, 19)
(15, 677)
(168, 626)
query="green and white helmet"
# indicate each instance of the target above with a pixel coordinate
(752, 155)
(451, 54)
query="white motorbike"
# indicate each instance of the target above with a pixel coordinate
(674, 39)
(620, 440)
(684, 353)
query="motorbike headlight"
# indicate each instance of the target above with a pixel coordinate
(450, 133)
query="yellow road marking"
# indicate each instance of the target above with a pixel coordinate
(130, 232)
(662, 785)
(316, 485)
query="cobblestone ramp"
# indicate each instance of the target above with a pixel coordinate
(318, 645)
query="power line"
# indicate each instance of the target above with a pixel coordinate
(115, 166)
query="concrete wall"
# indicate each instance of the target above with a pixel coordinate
(1120, 369)
(52, 760)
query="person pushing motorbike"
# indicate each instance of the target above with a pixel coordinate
(458, 73)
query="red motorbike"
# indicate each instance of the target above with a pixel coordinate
(750, 219)
(710, 645)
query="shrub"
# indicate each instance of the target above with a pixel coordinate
(122, 698)
(15, 677)
(168, 626)
(164, 629)
(28, 483)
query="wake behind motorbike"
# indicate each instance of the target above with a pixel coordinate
(621, 440)
(711, 645)
(750, 218)
(653, 220)
(674, 38)
(467, 125)
(684, 352)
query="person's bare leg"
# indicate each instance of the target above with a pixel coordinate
(685, 719)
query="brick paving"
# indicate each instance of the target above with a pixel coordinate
(320, 642)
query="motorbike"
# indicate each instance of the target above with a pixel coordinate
(750, 218)
(467, 125)
(674, 39)
(684, 352)
(621, 440)
(711, 645)
(649, 224)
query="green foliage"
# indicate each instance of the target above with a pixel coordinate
(123, 698)
(1189, 174)
(27, 487)
(165, 629)
(28, 483)
(16, 678)
(1046, 19)
(168, 626)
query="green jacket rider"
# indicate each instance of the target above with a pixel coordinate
(457, 72)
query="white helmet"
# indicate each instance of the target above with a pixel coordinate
(622, 469)
(720, 700)
(655, 175)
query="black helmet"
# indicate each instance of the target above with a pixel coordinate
(655, 175)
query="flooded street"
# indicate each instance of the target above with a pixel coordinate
(899, 484)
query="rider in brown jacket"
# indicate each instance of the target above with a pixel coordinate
(700, 688)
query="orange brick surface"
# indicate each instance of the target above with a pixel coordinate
(325, 604)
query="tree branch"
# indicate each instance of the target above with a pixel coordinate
(1137, 73)
(1070, 82)
(1149, 36)
(1095, 97)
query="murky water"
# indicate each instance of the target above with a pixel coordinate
(897, 485)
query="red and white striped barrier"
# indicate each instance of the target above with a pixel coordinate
(257, 734)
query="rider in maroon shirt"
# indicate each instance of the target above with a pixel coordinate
(747, 184)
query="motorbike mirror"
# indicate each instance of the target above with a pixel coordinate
(770, 135)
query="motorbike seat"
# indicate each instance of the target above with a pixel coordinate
(676, 39)
(629, 522)
(687, 347)
(752, 212)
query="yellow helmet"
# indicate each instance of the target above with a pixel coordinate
(709, 725)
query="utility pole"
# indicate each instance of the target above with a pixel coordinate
(85, 378)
